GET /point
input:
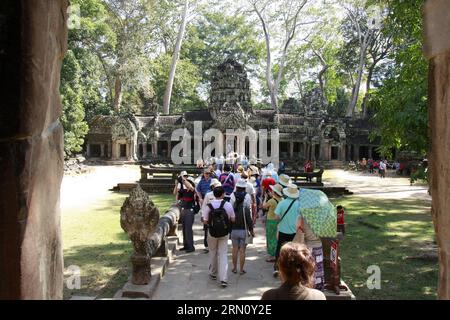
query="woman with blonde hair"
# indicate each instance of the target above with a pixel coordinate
(296, 267)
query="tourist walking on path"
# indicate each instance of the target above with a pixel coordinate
(185, 190)
(228, 182)
(218, 216)
(270, 204)
(296, 266)
(383, 169)
(242, 228)
(287, 213)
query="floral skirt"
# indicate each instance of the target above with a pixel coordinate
(271, 236)
(317, 253)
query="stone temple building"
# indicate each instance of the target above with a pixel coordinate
(306, 131)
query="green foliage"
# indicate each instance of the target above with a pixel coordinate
(72, 119)
(187, 79)
(401, 102)
(216, 36)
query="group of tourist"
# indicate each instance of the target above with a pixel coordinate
(230, 201)
(372, 166)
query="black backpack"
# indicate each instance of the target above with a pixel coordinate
(218, 222)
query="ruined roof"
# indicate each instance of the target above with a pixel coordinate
(145, 121)
(290, 120)
(170, 120)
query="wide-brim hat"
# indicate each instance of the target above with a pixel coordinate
(284, 180)
(241, 184)
(206, 170)
(240, 169)
(191, 179)
(215, 183)
(278, 189)
(183, 173)
(291, 191)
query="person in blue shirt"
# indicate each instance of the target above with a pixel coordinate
(287, 212)
(203, 187)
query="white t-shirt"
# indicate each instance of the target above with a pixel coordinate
(207, 200)
(382, 166)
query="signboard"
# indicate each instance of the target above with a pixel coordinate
(333, 255)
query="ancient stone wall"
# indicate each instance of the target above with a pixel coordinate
(34, 37)
(437, 50)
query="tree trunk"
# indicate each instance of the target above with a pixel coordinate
(367, 95)
(355, 93)
(117, 94)
(437, 50)
(176, 54)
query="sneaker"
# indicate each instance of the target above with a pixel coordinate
(224, 284)
(190, 250)
(182, 249)
(213, 277)
(205, 251)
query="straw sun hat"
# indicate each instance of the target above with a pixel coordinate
(284, 180)
(291, 191)
(278, 189)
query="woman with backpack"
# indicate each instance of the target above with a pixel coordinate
(242, 228)
(270, 204)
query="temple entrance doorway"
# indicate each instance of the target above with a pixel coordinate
(334, 153)
(122, 150)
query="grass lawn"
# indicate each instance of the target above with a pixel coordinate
(385, 233)
(94, 241)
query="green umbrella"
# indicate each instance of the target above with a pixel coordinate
(318, 212)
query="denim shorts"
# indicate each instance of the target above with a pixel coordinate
(238, 238)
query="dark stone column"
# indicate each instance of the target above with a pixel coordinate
(33, 40)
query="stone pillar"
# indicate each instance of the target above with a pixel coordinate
(169, 148)
(291, 149)
(144, 150)
(102, 150)
(437, 50)
(88, 150)
(356, 152)
(155, 149)
(33, 41)
(370, 151)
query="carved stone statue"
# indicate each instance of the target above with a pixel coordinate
(138, 217)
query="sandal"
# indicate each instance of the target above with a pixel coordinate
(234, 271)
(243, 272)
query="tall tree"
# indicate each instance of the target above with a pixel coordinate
(175, 56)
(288, 14)
(401, 102)
(72, 119)
(365, 28)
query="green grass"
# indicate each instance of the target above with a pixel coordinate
(384, 233)
(94, 241)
